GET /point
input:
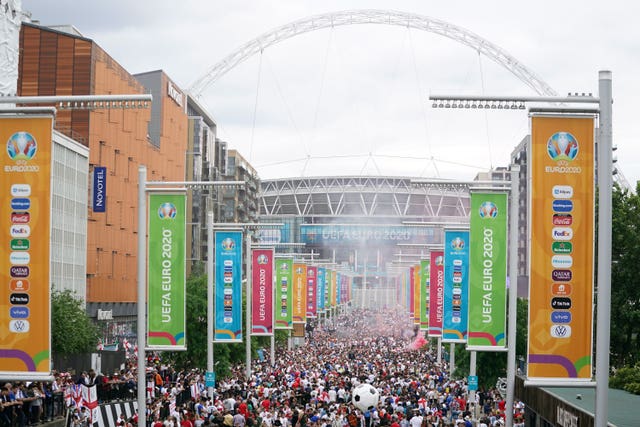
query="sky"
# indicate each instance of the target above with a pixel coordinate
(353, 99)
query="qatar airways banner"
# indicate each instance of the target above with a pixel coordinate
(312, 292)
(562, 252)
(322, 296)
(262, 292)
(284, 278)
(299, 297)
(424, 295)
(228, 307)
(456, 286)
(488, 272)
(166, 305)
(436, 292)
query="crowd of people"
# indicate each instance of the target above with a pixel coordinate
(310, 385)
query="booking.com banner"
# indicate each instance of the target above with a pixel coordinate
(262, 296)
(487, 272)
(436, 292)
(166, 307)
(228, 307)
(562, 254)
(284, 278)
(25, 211)
(456, 286)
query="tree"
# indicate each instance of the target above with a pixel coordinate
(72, 331)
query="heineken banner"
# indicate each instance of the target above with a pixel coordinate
(166, 307)
(488, 272)
(228, 307)
(284, 278)
(312, 292)
(424, 295)
(562, 254)
(321, 289)
(436, 292)
(299, 300)
(456, 286)
(262, 295)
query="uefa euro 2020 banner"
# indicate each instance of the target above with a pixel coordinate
(456, 286)
(262, 296)
(424, 295)
(228, 307)
(322, 289)
(25, 218)
(487, 272)
(299, 297)
(417, 296)
(436, 292)
(562, 253)
(312, 292)
(166, 320)
(284, 278)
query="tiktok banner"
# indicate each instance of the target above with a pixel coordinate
(299, 300)
(166, 274)
(424, 295)
(228, 307)
(456, 286)
(262, 295)
(25, 229)
(488, 272)
(312, 292)
(284, 278)
(436, 292)
(562, 254)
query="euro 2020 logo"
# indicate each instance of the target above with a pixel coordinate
(262, 259)
(21, 146)
(457, 244)
(228, 244)
(167, 211)
(488, 210)
(562, 146)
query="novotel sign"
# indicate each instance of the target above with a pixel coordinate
(99, 189)
(175, 94)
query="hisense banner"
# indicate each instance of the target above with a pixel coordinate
(166, 306)
(299, 302)
(436, 293)
(456, 286)
(488, 272)
(562, 252)
(424, 295)
(262, 295)
(284, 279)
(228, 307)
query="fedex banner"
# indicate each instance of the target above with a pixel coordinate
(284, 278)
(456, 286)
(228, 307)
(562, 254)
(312, 292)
(262, 295)
(166, 306)
(488, 272)
(299, 300)
(25, 229)
(424, 295)
(436, 293)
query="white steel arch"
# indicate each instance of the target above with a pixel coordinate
(372, 16)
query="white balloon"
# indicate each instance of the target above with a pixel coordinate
(365, 397)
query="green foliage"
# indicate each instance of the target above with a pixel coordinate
(72, 331)
(627, 378)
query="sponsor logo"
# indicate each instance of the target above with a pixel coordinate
(22, 146)
(19, 285)
(19, 258)
(167, 211)
(457, 291)
(20, 190)
(561, 303)
(19, 271)
(561, 331)
(19, 299)
(227, 320)
(262, 259)
(488, 210)
(228, 263)
(561, 316)
(561, 289)
(562, 233)
(20, 217)
(457, 244)
(561, 275)
(19, 326)
(562, 205)
(20, 204)
(562, 247)
(284, 266)
(19, 312)
(561, 261)
(562, 146)
(19, 244)
(228, 291)
(457, 262)
(562, 191)
(562, 219)
(20, 230)
(228, 244)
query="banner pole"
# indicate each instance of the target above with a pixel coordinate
(142, 281)
(210, 317)
(514, 208)
(248, 308)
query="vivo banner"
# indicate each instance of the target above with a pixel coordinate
(488, 272)
(424, 295)
(228, 307)
(284, 277)
(99, 190)
(25, 229)
(456, 286)
(436, 293)
(321, 289)
(262, 296)
(166, 306)
(312, 292)
(299, 300)
(562, 253)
